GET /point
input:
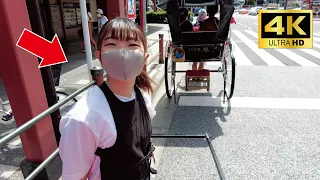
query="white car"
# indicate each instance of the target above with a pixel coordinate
(254, 10)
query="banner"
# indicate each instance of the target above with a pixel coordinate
(132, 9)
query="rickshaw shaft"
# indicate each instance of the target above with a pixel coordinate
(179, 71)
(196, 136)
(177, 136)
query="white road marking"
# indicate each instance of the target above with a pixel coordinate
(251, 102)
(268, 58)
(291, 55)
(241, 58)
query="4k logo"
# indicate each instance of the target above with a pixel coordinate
(285, 29)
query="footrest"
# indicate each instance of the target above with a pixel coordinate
(200, 73)
(195, 74)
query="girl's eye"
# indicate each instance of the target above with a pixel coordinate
(110, 44)
(134, 45)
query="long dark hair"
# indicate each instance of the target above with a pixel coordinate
(125, 29)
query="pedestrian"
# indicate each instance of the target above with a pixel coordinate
(90, 20)
(202, 15)
(185, 24)
(211, 23)
(102, 19)
(107, 134)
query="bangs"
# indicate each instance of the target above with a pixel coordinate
(122, 29)
(123, 32)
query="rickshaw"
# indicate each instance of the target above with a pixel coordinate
(200, 46)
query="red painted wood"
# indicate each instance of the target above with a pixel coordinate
(200, 73)
(23, 83)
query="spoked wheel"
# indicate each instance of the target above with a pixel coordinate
(67, 106)
(169, 72)
(229, 71)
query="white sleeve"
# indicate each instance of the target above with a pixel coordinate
(147, 99)
(77, 148)
(105, 20)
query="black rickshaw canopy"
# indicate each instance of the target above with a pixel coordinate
(226, 11)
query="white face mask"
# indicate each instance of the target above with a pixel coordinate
(99, 15)
(123, 64)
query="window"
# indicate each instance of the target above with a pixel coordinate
(72, 14)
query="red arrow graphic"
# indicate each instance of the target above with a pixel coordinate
(50, 52)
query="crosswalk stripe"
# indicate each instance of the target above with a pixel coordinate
(241, 58)
(316, 45)
(316, 39)
(291, 55)
(311, 52)
(268, 58)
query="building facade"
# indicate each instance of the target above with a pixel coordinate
(66, 17)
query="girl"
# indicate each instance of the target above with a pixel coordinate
(107, 133)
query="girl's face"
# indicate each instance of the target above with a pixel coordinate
(112, 44)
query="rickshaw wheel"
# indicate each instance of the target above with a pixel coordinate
(169, 71)
(229, 73)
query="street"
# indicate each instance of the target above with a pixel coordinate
(270, 129)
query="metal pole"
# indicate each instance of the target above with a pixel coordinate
(285, 4)
(42, 115)
(86, 37)
(97, 75)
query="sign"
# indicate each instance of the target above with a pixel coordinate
(131, 9)
(285, 29)
(51, 53)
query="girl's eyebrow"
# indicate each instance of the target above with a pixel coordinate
(107, 38)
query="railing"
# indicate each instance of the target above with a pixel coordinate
(97, 76)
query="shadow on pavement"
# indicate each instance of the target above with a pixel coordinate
(191, 120)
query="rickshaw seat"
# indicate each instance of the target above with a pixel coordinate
(198, 37)
(201, 46)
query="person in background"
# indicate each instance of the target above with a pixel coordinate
(210, 24)
(90, 20)
(102, 19)
(185, 24)
(202, 15)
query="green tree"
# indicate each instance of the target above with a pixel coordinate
(251, 2)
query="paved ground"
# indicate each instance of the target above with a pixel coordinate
(269, 129)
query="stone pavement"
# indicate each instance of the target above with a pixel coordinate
(73, 76)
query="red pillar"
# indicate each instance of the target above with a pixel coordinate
(142, 15)
(115, 8)
(155, 5)
(22, 79)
